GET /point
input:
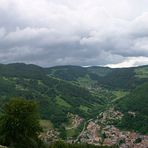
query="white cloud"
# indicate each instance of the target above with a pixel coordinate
(130, 62)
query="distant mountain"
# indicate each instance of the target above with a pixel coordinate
(118, 78)
(72, 73)
(21, 70)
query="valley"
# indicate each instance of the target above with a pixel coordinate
(94, 105)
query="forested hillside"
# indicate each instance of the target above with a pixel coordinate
(118, 78)
(135, 108)
(84, 91)
(56, 97)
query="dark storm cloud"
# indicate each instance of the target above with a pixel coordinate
(49, 33)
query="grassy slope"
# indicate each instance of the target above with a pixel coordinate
(142, 72)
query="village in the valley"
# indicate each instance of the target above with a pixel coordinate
(101, 131)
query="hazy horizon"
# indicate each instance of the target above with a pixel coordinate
(73, 65)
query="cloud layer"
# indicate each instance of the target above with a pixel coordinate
(77, 32)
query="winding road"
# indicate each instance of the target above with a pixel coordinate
(84, 127)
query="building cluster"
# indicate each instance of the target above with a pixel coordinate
(102, 132)
(110, 135)
(99, 132)
(109, 116)
(75, 121)
(50, 136)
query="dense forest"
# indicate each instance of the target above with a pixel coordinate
(135, 108)
(62, 89)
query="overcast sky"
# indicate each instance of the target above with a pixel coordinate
(74, 32)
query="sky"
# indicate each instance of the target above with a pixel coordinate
(74, 32)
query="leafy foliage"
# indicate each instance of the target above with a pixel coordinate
(19, 124)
